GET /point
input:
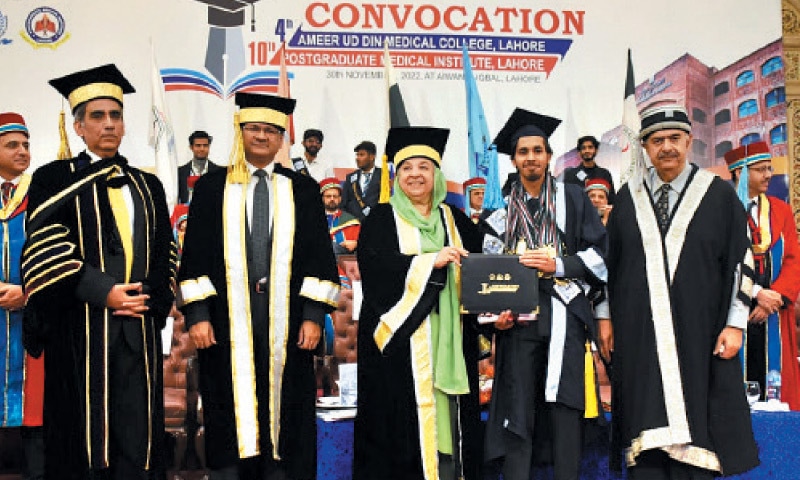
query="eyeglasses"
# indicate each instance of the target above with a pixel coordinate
(255, 130)
(762, 169)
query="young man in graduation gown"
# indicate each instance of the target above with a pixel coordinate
(98, 267)
(677, 246)
(540, 366)
(771, 337)
(21, 375)
(257, 277)
(418, 412)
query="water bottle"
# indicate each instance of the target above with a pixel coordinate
(774, 385)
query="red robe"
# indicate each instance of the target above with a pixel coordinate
(784, 253)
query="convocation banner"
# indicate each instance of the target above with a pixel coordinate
(565, 58)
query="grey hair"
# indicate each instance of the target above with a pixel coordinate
(80, 112)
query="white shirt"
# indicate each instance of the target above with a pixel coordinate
(320, 169)
(251, 188)
(363, 179)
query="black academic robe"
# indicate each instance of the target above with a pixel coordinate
(584, 242)
(669, 302)
(387, 428)
(72, 258)
(241, 414)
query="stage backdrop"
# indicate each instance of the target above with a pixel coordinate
(563, 58)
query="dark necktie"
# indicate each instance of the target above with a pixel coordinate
(662, 207)
(259, 232)
(8, 192)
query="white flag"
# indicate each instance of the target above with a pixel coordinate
(162, 137)
(283, 156)
(632, 155)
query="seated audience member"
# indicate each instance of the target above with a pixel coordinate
(200, 144)
(344, 228)
(474, 189)
(597, 189)
(771, 340)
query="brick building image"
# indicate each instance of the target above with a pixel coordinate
(736, 105)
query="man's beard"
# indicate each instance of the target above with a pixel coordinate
(590, 159)
(313, 151)
(533, 177)
(331, 208)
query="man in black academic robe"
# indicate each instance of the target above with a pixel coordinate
(98, 268)
(539, 396)
(257, 325)
(678, 247)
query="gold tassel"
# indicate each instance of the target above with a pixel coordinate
(589, 384)
(386, 189)
(64, 152)
(237, 166)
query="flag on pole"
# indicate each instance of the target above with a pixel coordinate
(397, 108)
(631, 125)
(283, 156)
(162, 136)
(482, 153)
(397, 117)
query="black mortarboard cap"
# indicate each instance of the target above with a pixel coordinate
(523, 123)
(407, 142)
(226, 13)
(99, 82)
(264, 109)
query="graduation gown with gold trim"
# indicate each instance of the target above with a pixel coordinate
(72, 258)
(392, 438)
(670, 298)
(250, 400)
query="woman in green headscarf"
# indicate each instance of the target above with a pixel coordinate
(418, 414)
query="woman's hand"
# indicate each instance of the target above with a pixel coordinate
(449, 254)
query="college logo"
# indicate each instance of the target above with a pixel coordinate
(3, 27)
(45, 27)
